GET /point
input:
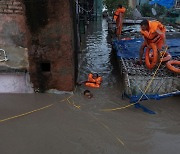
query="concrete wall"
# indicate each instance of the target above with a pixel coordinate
(134, 3)
(140, 2)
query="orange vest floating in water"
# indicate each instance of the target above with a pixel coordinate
(95, 83)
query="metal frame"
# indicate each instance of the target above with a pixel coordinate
(136, 79)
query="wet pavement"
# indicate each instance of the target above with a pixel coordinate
(59, 124)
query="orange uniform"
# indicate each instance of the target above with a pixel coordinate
(95, 83)
(118, 11)
(156, 34)
(118, 17)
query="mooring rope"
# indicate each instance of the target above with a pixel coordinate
(149, 84)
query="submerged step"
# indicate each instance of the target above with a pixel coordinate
(15, 83)
(14, 75)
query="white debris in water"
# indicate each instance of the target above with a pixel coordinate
(171, 29)
(55, 91)
(132, 28)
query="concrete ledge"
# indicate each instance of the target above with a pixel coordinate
(17, 59)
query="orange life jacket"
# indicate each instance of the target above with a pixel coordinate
(152, 35)
(118, 11)
(91, 82)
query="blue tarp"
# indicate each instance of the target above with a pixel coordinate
(130, 48)
(134, 99)
(166, 3)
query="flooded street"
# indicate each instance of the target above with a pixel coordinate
(96, 54)
(140, 132)
(72, 124)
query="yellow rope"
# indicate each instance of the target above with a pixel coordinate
(108, 129)
(30, 112)
(66, 98)
(127, 106)
(27, 113)
(45, 107)
(72, 103)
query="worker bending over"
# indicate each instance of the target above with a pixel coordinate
(153, 33)
(118, 18)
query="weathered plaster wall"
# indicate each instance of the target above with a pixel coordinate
(13, 29)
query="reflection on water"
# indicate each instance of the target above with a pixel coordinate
(141, 132)
(96, 55)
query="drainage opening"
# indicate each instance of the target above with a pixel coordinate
(45, 67)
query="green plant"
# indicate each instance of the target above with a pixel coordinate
(129, 12)
(145, 10)
(161, 10)
(111, 5)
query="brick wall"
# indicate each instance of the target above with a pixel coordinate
(11, 7)
(52, 50)
(13, 27)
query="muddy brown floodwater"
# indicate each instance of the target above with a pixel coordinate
(72, 124)
(141, 132)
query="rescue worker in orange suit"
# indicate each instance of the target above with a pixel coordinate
(153, 32)
(118, 18)
(94, 80)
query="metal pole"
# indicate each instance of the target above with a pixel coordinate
(176, 3)
(96, 9)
